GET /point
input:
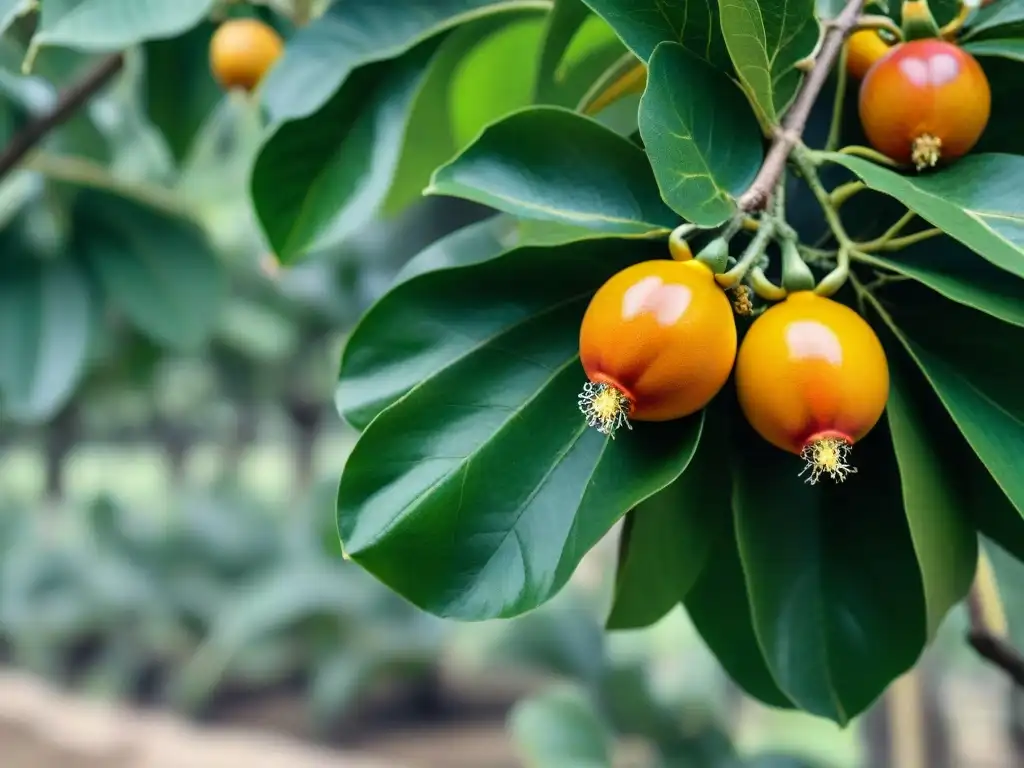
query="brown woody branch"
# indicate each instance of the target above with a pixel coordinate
(789, 133)
(68, 103)
(988, 644)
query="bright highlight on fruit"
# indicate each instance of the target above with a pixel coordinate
(657, 342)
(925, 101)
(863, 49)
(812, 379)
(242, 51)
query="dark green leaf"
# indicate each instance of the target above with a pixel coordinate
(666, 542)
(46, 319)
(643, 24)
(835, 587)
(933, 496)
(964, 357)
(560, 728)
(976, 201)
(1001, 19)
(112, 25)
(1001, 134)
(958, 274)
(765, 41)
(321, 55)
(563, 23)
(179, 87)
(324, 176)
(478, 492)
(719, 603)
(703, 142)
(11, 10)
(552, 164)
(1007, 49)
(159, 271)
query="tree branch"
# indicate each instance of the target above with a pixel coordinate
(988, 625)
(792, 129)
(68, 103)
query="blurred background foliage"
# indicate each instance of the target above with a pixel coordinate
(166, 533)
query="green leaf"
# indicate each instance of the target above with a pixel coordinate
(478, 492)
(321, 55)
(1002, 19)
(563, 23)
(703, 142)
(46, 322)
(551, 164)
(666, 542)
(644, 24)
(975, 201)
(179, 88)
(1001, 134)
(719, 602)
(159, 271)
(11, 10)
(112, 25)
(933, 498)
(560, 728)
(964, 357)
(323, 177)
(834, 582)
(959, 274)
(1007, 49)
(765, 41)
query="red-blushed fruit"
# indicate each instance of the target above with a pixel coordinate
(812, 379)
(657, 342)
(925, 101)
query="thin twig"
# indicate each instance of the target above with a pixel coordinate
(792, 129)
(988, 624)
(68, 103)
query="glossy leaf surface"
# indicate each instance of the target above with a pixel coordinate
(644, 24)
(702, 140)
(765, 41)
(977, 201)
(551, 164)
(110, 25)
(484, 473)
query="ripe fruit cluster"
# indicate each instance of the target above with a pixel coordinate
(658, 342)
(922, 101)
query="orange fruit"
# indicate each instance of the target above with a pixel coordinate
(924, 101)
(657, 342)
(863, 49)
(242, 51)
(812, 379)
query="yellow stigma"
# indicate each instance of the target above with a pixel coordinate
(827, 455)
(926, 151)
(606, 408)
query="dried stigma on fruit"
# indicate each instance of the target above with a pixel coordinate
(242, 51)
(812, 379)
(657, 342)
(925, 101)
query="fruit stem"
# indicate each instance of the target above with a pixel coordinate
(835, 130)
(715, 254)
(302, 12)
(754, 251)
(952, 29)
(764, 287)
(878, 21)
(879, 242)
(868, 154)
(918, 21)
(796, 275)
(804, 161)
(677, 244)
(844, 192)
(898, 243)
(834, 280)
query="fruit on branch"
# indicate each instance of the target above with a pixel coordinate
(863, 49)
(925, 101)
(657, 342)
(812, 379)
(242, 51)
